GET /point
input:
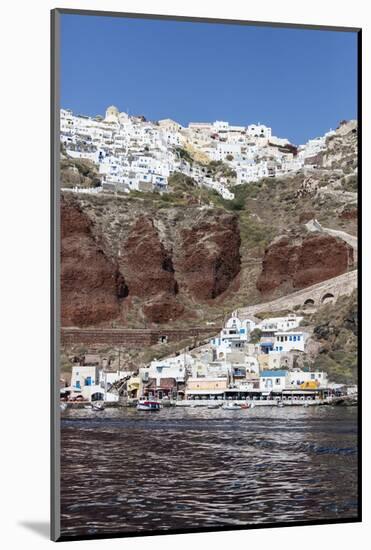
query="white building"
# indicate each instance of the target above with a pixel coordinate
(275, 381)
(169, 367)
(286, 341)
(273, 324)
(88, 383)
(298, 378)
(258, 130)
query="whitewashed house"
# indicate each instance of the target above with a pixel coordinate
(271, 380)
(285, 341)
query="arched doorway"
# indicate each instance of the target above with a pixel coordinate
(327, 298)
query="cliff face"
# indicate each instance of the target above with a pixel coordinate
(209, 256)
(148, 266)
(92, 286)
(125, 264)
(291, 264)
(341, 148)
(187, 256)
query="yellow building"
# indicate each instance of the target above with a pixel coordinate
(134, 387)
(269, 361)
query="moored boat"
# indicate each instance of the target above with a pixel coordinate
(232, 406)
(97, 406)
(145, 404)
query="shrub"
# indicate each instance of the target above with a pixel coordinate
(255, 335)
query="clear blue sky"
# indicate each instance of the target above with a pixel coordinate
(299, 82)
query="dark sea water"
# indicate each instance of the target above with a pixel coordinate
(125, 470)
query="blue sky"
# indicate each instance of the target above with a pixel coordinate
(299, 82)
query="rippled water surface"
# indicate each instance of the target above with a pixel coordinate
(125, 470)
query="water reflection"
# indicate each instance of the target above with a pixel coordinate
(125, 470)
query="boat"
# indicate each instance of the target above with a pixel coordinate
(145, 404)
(232, 406)
(63, 407)
(97, 406)
(280, 404)
(214, 406)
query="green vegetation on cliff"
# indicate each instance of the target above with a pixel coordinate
(336, 329)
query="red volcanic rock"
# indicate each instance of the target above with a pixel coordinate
(292, 264)
(164, 262)
(148, 267)
(349, 214)
(163, 310)
(209, 256)
(91, 284)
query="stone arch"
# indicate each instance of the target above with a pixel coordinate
(328, 297)
(309, 302)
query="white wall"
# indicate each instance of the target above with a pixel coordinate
(287, 341)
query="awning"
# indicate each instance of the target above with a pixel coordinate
(205, 392)
(299, 392)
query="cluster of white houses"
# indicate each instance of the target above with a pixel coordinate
(234, 365)
(134, 154)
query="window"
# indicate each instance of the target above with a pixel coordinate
(290, 338)
(298, 338)
(277, 381)
(294, 337)
(312, 376)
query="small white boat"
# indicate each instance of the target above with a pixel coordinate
(232, 406)
(97, 406)
(280, 404)
(214, 406)
(63, 406)
(148, 404)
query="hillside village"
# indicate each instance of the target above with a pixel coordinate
(260, 363)
(134, 154)
(175, 227)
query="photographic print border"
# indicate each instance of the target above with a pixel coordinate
(55, 271)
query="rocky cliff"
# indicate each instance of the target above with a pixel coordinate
(341, 148)
(188, 256)
(127, 262)
(292, 263)
(92, 286)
